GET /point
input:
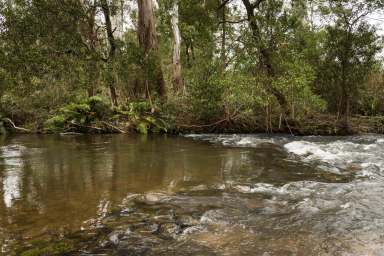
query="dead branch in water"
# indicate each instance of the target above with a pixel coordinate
(9, 121)
(116, 129)
(107, 127)
(87, 127)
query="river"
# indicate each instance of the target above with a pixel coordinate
(192, 195)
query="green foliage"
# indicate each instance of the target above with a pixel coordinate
(242, 93)
(140, 114)
(156, 124)
(349, 54)
(56, 123)
(371, 100)
(51, 67)
(295, 83)
(142, 127)
(206, 93)
(139, 107)
(90, 112)
(83, 112)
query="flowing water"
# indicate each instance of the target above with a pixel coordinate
(193, 195)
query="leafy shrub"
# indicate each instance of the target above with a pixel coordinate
(295, 83)
(90, 111)
(151, 124)
(206, 94)
(83, 112)
(56, 123)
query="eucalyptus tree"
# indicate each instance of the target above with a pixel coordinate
(278, 38)
(90, 38)
(265, 46)
(350, 51)
(176, 59)
(148, 41)
(112, 51)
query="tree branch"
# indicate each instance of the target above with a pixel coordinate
(223, 4)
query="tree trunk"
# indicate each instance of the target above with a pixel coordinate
(344, 105)
(224, 37)
(112, 51)
(89, 35)
(118, 20)
(176, 70)
(265, 55)
(344, 110)
(148, 41)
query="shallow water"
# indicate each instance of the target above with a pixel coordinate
(194, 195)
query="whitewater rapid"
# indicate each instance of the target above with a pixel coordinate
(350, 214)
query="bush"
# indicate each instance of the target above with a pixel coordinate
(206, 94)
(141, 115)
(83, 113)
(56, 123)
(88, 114)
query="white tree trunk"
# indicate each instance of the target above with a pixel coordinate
(176, 70)
(146, 26)
(149, 42)
(118, 20)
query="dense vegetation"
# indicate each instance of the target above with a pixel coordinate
(304, 66)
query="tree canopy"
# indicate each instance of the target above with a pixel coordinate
(271, 64)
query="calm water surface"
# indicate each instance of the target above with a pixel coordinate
(195, 195)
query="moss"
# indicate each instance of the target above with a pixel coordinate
(59, 248)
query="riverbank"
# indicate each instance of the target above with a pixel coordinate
(96, 116)
(319, 124)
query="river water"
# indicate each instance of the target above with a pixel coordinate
(193, 195)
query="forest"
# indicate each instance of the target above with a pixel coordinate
(191, 127)
(170, 66)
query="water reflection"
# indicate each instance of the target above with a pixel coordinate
(51, 182)
(13, 165)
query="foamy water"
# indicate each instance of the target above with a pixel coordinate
(364, 154)
(351, 213)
